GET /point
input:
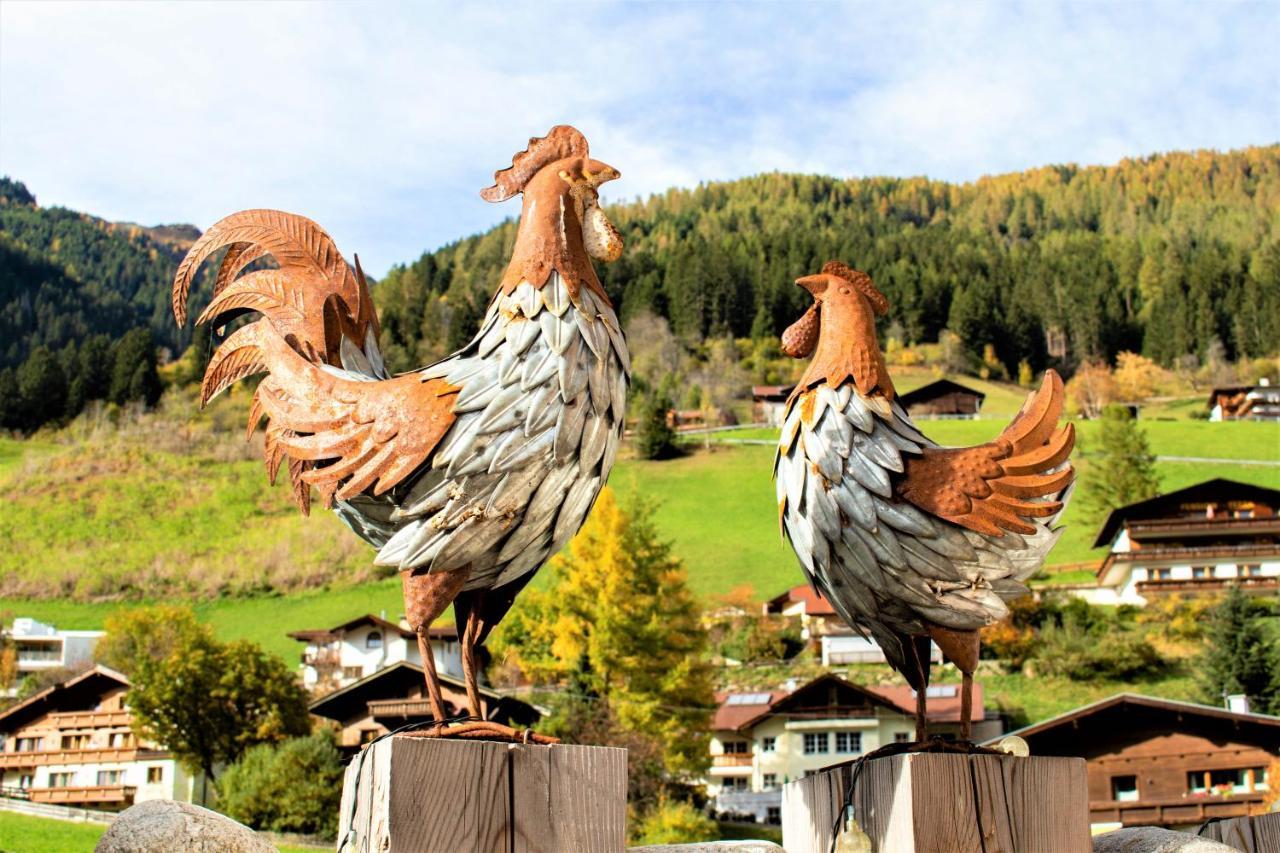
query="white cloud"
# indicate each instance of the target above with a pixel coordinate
(383, 121)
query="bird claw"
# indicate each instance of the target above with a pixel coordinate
(482, 730)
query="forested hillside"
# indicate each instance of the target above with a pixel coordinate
(1175, 256)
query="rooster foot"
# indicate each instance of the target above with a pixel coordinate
(482, 730)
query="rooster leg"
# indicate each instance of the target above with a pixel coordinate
(426, 596)
(919, 649)
(470, 645)
(961, 648)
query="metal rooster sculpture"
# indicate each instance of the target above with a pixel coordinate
(468, 474)
(909, 541)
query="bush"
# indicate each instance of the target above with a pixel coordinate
(675, 822)
(295, 786)
(655, 439)
(1071, 651)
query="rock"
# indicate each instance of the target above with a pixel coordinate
(1150, 839)
(711, 847)
(166, 826)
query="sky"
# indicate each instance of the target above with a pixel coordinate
(383, 120)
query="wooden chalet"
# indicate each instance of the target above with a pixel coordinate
(769, 403)
(1159, 762)
(942, 399)
(1245, 402)
(395, 696)
(1203, 538)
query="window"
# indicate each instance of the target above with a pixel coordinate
(155, 775)
(1243, 513)
(1253, 570)
(120, 740)
(768, 744)
(110, 777)
(816, 743)
(1201, 572)
(848, 742)
(902, 737)
(75, 741)
(1160, 574)
(1242, 780)
(352, 671)
(769, 781)
(373, 641)
(26, 780)
(775, 815)
(734, 783)
(736, 747)
(30, 744)
(1124, 789)
(60, 780)
(368, 735)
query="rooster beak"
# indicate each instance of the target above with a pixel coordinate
(598, 173)
(815, 284)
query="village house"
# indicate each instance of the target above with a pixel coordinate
(761, 740)
(395, 696)
(1203, 538)
(41, 648)
(820, 625)
(1158, 762)
(1245, 402)
(769, 403)
(338, 656)
(73, 744)
(942, 399)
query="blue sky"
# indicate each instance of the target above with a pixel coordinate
(382, 121)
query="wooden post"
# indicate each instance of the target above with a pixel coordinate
(939, 801)
(416, 794)
(1256, 834)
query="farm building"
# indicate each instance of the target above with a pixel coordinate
(1199, 539)
(73, 744)
(762, 740)
(341, 655)
(942, 399)
(42, 647)
(1245, 402)
(395, 696)
(820, 624)
(769, 403)
(1157, 762)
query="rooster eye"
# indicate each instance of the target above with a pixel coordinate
(845, 291)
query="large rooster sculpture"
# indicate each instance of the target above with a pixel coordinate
(466, 474)
(909, 541)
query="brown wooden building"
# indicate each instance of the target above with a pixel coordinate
(1245, 402)
(942, 398)
(769, 403)
(396, 696)
(1158, 762)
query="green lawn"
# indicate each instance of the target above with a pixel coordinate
(20, 833)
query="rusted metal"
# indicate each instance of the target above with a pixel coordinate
(467, 474)
(909, 540)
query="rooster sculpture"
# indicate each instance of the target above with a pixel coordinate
(909, 541)
(468, 474)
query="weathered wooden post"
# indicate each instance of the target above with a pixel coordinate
(945, 801)
(414, 794)
(1255, 834)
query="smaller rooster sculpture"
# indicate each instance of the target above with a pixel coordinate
(909, 541)
(468, 474)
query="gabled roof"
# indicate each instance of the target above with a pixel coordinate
(392, 682)
(943, 702)
(735, 710)
(778, 391)
(814, 604)
(1215, 489)
(1232, 390)
(78, 693)
(436, 632)
(937, 388)
(1112, 711)
(732, 718)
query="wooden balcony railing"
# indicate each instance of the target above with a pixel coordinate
(1171, 810)
(95, 755)
(89, 719)
(82, 796)
(1206, 584)
(1207, 526)
(733, 759)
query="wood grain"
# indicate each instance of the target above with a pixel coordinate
(1256, 834)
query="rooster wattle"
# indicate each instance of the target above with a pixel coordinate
(468, 474)
(909, 541)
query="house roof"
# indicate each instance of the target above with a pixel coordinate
(392, 682)
(943, 701)
(1218, 488)
(781, 392)
(1232, 390)
(1114, 711)
(937, 388)
(78, 693)
(737, 714)
(436, 632)
(814, 604)
(735, 710)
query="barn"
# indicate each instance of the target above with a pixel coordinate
(942, 399)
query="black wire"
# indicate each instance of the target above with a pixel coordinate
(1207, 823)
(364, 752)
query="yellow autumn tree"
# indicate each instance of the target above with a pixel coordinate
(619, 626)
(1091, 389)
(1136, 377)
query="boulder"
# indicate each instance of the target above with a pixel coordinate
(1150, 839)
(167, 826)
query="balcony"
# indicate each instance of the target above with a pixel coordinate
(1174, 527)
(322, 658)
(400, 708)
(90, 719)
(735, 759)
(1254, 583)
(89, 795)
(67, 756)
(1172, 810)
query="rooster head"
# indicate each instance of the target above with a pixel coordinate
(561, 187)
(840, 294)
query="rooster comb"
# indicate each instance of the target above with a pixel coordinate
(560, 142)
(860, 280)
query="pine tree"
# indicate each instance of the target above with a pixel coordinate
(1240, 657)
(1124, 472)
(655, 437)
(134, 373)
(42, 389)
